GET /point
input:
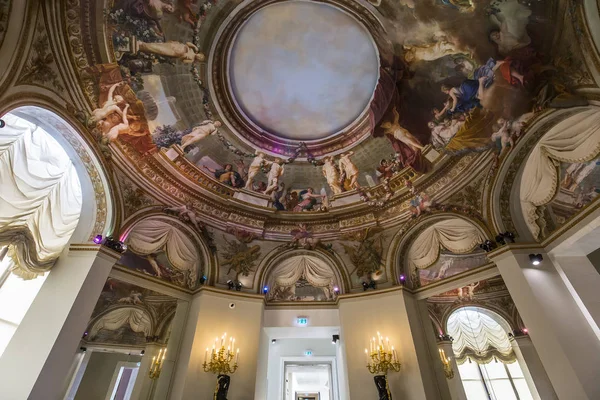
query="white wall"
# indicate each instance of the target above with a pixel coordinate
(99, 373)
(211, 316)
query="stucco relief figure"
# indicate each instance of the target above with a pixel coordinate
(275, 174)
(185, 52)
(255, 166)
(401, 134)
(200, 132)
(349, 171)
(332, 175)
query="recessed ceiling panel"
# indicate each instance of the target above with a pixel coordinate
(303, 70)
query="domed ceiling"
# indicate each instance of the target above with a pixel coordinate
(303, 122)
(302, 70)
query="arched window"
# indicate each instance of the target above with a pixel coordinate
(40, 205)
(486, 361)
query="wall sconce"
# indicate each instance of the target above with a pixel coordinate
(448, 371)
(381, 359)
(536, 259)
(157, 363)
(220, 363)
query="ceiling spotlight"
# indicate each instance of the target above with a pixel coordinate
(536, 259)
(487, 246)
(230, 284)
(265, 290)
(203, 279)
(273, 341)
(2, 123)
(98, 239)
(335, 339)
(336, 289)
(238, 286)
(402, 279)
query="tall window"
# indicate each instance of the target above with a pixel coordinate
(40, 205)
(487, 364)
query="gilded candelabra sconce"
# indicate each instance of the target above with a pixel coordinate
(223, 361)
(381, 359)
(157, 363)
(448, 371)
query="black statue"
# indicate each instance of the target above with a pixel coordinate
(222, 387)
(382, 387)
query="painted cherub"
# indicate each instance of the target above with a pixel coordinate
(112, 105)
(504, 134)
(119, 128)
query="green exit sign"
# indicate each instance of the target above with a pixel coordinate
(302, 321)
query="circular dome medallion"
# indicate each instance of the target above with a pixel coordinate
(297, 71)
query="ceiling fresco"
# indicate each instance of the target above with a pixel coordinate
(275, 129)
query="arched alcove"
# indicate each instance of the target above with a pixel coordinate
(122, 324)
(166, 248)
(301, 275)
(560, 177)
(420, 246)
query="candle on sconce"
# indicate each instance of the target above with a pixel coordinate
(388, 343)
(206, 355)
(237, 355)
(367, 356)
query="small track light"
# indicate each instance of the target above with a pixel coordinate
(536, 259)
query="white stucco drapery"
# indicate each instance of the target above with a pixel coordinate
(40, 199)
(151, 236)
(454, 234)
(138, 321)
(576, 139)
(316, 272)
(479, 337)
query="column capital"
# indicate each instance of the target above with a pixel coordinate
(85, 249)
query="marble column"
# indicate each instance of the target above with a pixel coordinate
(394, 313)
(533, 370)
(457, 390)
(143, 386)
(566, 343)
(36, 363)
(173, 346)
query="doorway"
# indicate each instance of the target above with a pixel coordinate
(308, 381)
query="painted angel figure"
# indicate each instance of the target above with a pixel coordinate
(185, 52)
(119, 128)
(275, 174)
(348, 170)
(511, 18)
(431, 51)
(332, 175)
(504, 134)
(112, 105)
(186, 212)
(401, 134)
(257, 163)
(199, 132)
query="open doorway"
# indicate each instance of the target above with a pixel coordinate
(308, 381)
